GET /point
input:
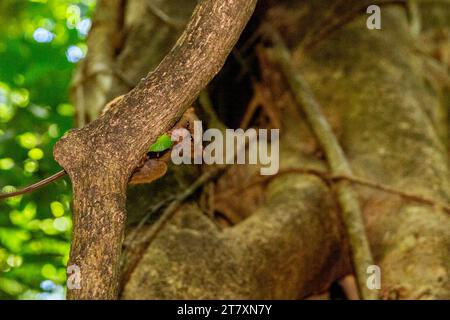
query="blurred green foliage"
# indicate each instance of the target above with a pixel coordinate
(40, 42)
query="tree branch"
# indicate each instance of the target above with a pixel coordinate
(101, 157)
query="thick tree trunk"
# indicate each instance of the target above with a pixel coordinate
(374, 82)
(290, 248)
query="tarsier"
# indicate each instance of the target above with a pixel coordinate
(152, 166)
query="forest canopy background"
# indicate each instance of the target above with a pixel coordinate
(40, 43)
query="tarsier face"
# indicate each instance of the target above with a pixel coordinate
(155, 166)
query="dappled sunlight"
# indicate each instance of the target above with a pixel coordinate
(42, 42)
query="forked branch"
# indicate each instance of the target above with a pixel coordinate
(101, 157)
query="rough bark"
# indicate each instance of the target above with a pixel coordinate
(290, 248)
(337, 162)
(390, 138)
(100, 157)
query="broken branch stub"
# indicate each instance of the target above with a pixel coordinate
(101, 157)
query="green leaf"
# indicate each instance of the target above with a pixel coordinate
(163, 143)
